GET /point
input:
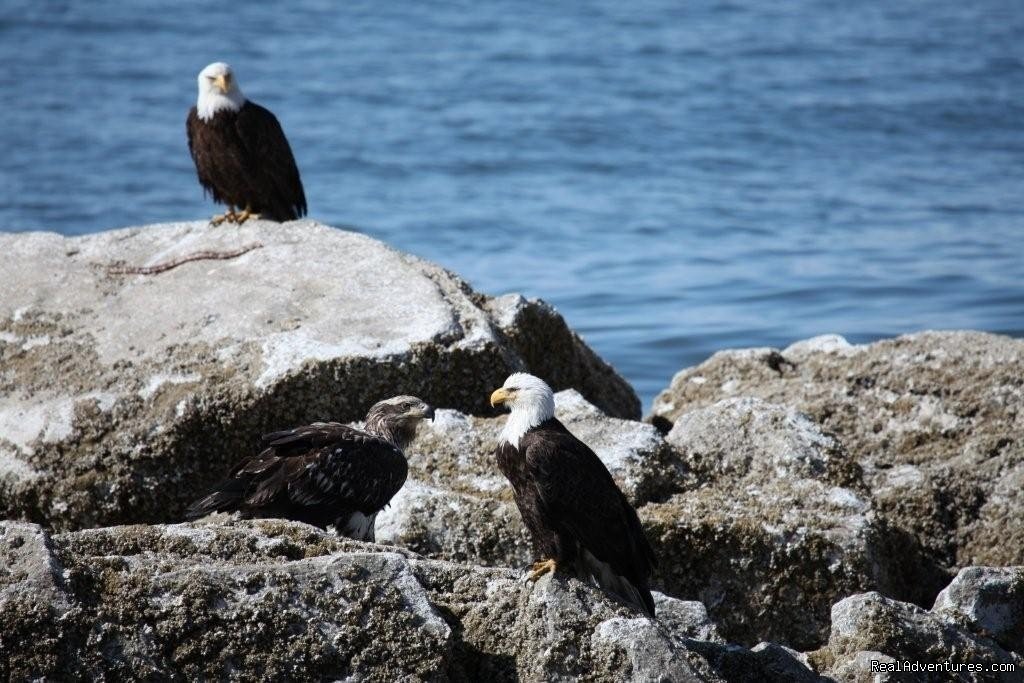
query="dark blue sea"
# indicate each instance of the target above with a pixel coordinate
(676, 177)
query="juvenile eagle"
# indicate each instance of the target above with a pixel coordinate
(241, 154)
(578, 519)
(324, 473)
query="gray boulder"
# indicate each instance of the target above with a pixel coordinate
(988, 601)
(780, 517)
(686, 618)
(118, 389)
(767, 662)
(33, 599)
(272, 600)
(869, 628)
(934, 419)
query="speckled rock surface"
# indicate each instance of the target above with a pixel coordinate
(750, 507)
(935, 419)
(780, 517)
(116, 388)
(786, 484)
(767, 662)
(869, 627)
(988, 601)
(276, 600)
(273, 600)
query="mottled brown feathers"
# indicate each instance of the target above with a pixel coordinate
(321, 474)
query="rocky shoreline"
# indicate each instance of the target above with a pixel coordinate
(813, 508)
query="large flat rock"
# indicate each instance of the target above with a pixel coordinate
(121, 394)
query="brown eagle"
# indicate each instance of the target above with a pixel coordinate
(241, 154)
(578, 519)
(324, 473)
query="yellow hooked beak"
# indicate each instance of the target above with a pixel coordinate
(499, 397)
(222, 82)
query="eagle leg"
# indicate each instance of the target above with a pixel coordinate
(541, 568)
(230, 216)
(246, 215)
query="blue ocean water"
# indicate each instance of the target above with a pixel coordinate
(676, 178)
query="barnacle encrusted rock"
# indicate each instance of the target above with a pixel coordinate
(273, 600)
(869, 628)
(780, 517)
(988, 601)
(935, 419)
(750, 506)
(117, 389)
(276, 600)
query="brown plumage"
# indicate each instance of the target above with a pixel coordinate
(324, 473)
(574, 512)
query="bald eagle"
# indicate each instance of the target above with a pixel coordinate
(578, 519)
(324, 473)
(241, 154)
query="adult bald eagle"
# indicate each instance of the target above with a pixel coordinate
(324, 473)
(579, 521)
(241, 154)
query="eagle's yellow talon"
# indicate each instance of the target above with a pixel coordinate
(539, 569)
(230, 216)
(246, 215)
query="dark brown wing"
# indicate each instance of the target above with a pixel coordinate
(270, 157)
(199, 158)
(578, 498)
(220, 158)
(543, 538)
(311, 473)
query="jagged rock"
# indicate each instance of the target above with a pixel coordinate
(686, 618)
(867, 666)
(120, 396)
(766, 662)
(769, 511)
(650, 653)
(441, 523)
(275, 600)
(935, 419)
(868, 624)
(747, 442)
(989, 601)
(458, 506)
(781, 517)
(118, 389)
(457, 450)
